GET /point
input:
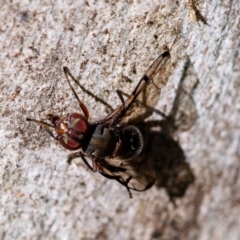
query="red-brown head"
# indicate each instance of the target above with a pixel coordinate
(70, 129)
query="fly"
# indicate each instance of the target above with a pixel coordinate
(113, 144)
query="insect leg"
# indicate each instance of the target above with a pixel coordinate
(117, 178)
(97, 99)
(72, 156)
(79, 154)
(128, 189)
(81, 104)
(44, 125)
(85, 161)
(129, 192)
(120, 95)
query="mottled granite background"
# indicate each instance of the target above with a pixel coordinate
(108, 45)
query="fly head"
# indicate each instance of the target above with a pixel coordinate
(71, 129)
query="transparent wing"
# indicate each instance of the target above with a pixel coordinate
(143, 99)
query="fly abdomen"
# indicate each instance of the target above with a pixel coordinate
(131, 140)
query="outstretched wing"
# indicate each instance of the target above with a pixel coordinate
(143, 99)
(136, 174)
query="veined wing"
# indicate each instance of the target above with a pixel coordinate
(143, 99)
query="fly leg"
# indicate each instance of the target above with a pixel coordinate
(117, 178)
(79, 154)
(129, 192)
(81, 104)
(120, 95)
(102, 163)
(87, 91)
(97, 99)
(72, 156)
(128, 189)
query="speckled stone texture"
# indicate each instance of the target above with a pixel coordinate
(108, 45)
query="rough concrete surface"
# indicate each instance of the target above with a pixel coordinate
(108, 45)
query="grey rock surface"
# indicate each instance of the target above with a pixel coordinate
(108, 45)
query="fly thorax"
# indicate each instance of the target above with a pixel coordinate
(103, 142)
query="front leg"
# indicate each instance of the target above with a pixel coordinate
(79, 154)
(73, 156)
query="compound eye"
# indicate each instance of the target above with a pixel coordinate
(68, 142)
(78, 122)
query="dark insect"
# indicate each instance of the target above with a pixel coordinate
(113, 144)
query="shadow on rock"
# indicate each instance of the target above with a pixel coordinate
(168, 159)
(173, 172)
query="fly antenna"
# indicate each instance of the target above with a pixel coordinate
(46, 126)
